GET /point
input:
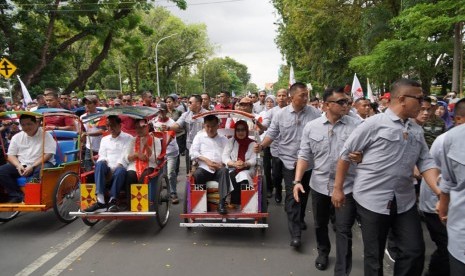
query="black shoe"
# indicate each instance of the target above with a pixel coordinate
(295, 242)
(222, 207)
(112, 207)
(278, 196)
(303, 225)
(321, 262)
(97, 207)
(269, 194)
(14, 200)
(174, 199)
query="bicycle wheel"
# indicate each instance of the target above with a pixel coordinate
(67, 196)
(162, 201)
(7, 216)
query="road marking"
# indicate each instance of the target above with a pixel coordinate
(51, 253)
(58, 268)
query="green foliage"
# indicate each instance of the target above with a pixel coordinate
(62, 43)
(327, 40)
(225, 74)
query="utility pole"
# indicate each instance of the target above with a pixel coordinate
(156, 60)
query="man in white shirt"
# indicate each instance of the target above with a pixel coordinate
(207, 148)
(93, 134)
(110, 165)
(25, 156)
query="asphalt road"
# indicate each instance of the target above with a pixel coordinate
(39, 244)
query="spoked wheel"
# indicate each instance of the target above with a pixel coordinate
(162, 201)
(7, 216)
(67, 196)
(90, 222)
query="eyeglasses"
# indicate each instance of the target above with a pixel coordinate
(126, 100)
(340, 102)
(418, 98)
(240, 129)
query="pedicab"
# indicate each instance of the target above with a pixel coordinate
(201, 199)
(57, 187)
(146, 200)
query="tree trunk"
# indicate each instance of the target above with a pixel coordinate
(137, 71)
(457, 56)
(86, 74)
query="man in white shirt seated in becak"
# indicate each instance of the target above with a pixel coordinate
(207, 149)
(25, 156)
(110, 165)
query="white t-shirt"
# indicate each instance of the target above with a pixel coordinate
(28, 149)
(173, 148)
(92, 142)
(211, 148)
(112, 150)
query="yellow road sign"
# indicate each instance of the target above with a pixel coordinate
(6, 68)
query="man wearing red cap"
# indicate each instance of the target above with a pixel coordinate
(384, 102)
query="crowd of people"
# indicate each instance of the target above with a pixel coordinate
(388, 164)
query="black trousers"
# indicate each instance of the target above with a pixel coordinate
(345, 219)
(201, 176)
(181, 141)
(295, 210)
(439, 262)
(188, 162)
(457, 268)
(131, 176)
(277, 173)
(267, 169)
(407, 235)
(236, 194)
(321, 205)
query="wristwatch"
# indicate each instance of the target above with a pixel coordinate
(296, 182)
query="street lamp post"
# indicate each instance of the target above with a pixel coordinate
(156, 60)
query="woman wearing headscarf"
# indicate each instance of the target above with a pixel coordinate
(239, 157)
(443, 112)
(270, 102)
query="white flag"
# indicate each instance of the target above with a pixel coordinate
(291, 76)
(309, 86)
(26, 97)
(370, 92)
(357, 91)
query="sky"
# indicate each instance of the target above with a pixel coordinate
(241, 29)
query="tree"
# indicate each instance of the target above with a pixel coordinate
(421, 34)
(134, 52)
(225, 74)
(319, 37)
(38, 36)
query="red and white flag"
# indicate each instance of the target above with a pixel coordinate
(357, 91)
(291, 76)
